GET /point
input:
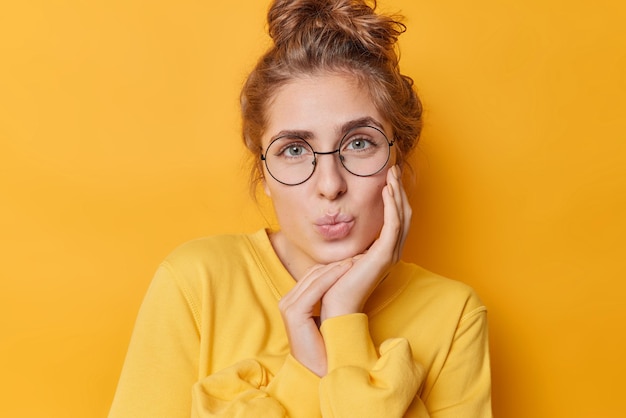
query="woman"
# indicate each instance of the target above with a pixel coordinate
(319, 318)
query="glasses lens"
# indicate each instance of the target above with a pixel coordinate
(290, 160)
(364, 151)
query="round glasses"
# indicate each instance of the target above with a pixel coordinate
(363, 151)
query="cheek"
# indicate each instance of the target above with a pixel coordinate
(286, 201)
(377, 189)
(372, 201)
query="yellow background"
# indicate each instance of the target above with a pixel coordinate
(119, 139)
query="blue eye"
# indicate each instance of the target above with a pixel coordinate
(358, 144)
(294, 150)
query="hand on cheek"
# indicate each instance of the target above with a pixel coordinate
(343, 287)
(350, 292)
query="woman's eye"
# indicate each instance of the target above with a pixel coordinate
(294, 150)
(358, 144)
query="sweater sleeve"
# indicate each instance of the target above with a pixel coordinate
(162, 359)
(361, 383)
(160, 377)
(246, 390)
(463, 387)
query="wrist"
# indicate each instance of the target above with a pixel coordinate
(335, 311)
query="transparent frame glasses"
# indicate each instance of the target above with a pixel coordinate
(363, 151)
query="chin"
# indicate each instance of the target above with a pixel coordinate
(341, 250)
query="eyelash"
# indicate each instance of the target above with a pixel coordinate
(284, 149)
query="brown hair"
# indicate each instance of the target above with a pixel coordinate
(341, 36)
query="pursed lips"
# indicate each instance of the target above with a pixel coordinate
(334, 227)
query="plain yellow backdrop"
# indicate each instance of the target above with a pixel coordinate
(119, 140)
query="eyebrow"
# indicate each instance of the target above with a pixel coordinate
(343, 129)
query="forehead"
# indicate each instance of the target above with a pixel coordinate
(320, 104)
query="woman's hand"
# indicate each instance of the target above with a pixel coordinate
(351, 291)
(344, 286)
(299, 308)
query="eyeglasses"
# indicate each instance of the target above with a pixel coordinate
(363, 151)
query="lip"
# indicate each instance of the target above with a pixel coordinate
(334, 227)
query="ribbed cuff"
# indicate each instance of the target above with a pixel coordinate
(348, 342)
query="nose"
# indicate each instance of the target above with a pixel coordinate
(329, 175)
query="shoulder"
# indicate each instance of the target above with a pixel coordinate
(219, 251)
(431, 290)
(211, 247)
(436, 282)
(430, 310)
(207, 261)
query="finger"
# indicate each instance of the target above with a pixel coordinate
(308, 292)
(312, 275)
(399, 194)
(404, 208)
(392, 217)
(321, 283)
(397, 218)
(386, 241)
(406, 213)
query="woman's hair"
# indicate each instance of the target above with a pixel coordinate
(332, 36)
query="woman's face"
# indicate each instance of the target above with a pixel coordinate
(334, 214)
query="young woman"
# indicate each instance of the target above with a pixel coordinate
(319, 318)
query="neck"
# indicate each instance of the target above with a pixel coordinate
(296, 263)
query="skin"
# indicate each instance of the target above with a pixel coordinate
(334, 274)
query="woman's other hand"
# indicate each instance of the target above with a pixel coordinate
(299, 309)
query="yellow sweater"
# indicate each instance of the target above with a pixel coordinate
(209, 341)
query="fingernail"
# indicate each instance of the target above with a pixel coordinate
(396, 171)
(390, 188)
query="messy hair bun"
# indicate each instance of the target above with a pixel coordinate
(319, 27)
(341, 36)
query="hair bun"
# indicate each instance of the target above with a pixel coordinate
(304, 23)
